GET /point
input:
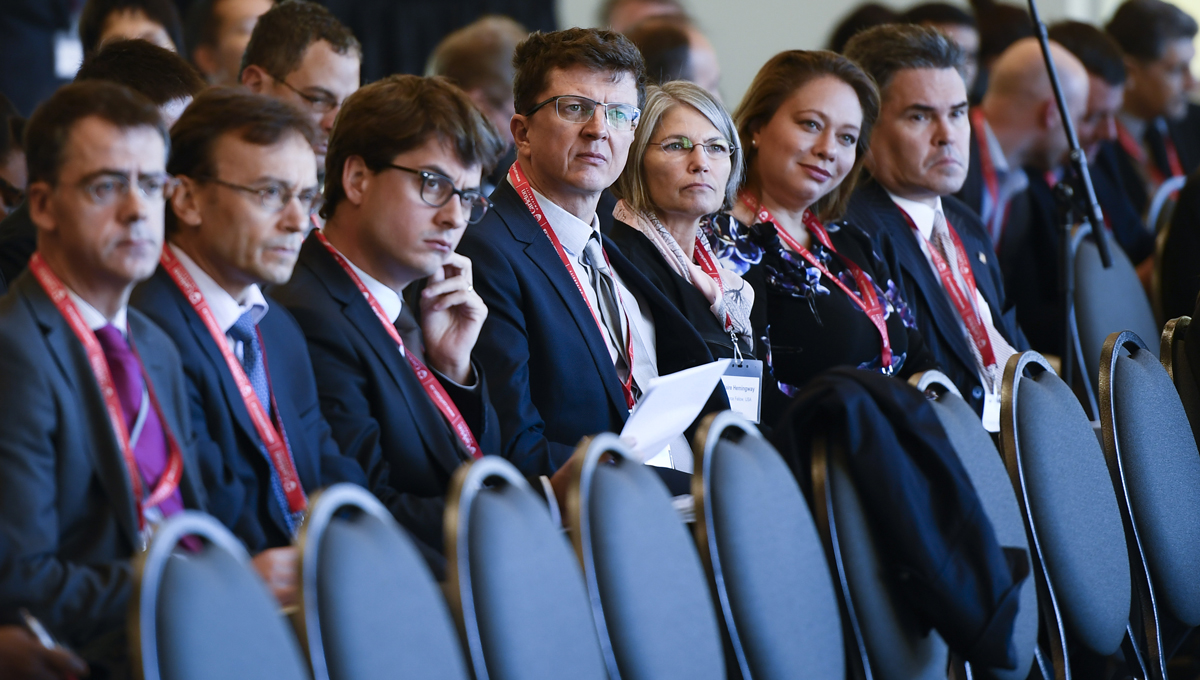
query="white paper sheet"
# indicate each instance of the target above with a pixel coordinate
(668, 406)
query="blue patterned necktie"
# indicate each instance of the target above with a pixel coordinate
(245, 331)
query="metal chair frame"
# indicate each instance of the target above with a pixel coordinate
(1171, 354)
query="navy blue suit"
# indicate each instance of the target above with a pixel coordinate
(379, 412)
(553, 379)
(874, 211)
(236, 471)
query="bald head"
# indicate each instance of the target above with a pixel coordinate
(1020, 107)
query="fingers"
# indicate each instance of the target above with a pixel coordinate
(278, 568)
(64, 664)
(454, 275)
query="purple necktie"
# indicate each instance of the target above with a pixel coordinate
(150, 450)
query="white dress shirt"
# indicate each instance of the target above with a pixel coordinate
(226, 310)
(95, 320)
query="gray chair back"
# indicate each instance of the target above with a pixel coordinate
(888, 642)
(1174, 359)
(764, 558)
(513, 582)
(650, 599)
(985, 468)
(370, 608)
(1155, 468)
(206, 615)
(1055, 463)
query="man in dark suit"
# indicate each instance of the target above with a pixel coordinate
(574, 332)
(97, 444)
(918, 157)
(404, 168)
(248, 182)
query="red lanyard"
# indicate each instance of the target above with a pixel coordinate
(709, 266)
(988, 167)
(1131, 147)
(437, 394)
(966, 306)
(866, 299)
(168, 483)
(521, 183)
(271, 436)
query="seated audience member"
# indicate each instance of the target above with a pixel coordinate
(955, 22)
(822, 296)
(918, 158)
(478, 58)
(674, 49)
(155, 21)
(247, 186)
(621, 15)
(216, 33)
(300, 53)
(574, 331)
(1159, 131)
(1000, 25)
(22, 657)
(1179, 271)
(405, 164)
(79, 495)
(160, 75)
(862, 17)
(684, 166)
(12, 160)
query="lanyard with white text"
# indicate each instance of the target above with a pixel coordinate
(437, 394)
(709, 266)
(867, 300)
(168, 482)
(272, 437)
(966, 308)
(521, 184)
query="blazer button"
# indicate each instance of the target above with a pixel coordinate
(977, 392)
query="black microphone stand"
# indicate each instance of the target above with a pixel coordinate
(1066, 209)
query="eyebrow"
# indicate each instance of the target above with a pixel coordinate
(438, 170)
(717, 138)
(926, 108)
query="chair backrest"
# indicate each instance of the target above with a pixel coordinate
(888, 641)
(1155, 467)
(513, 583)
(206, 615)
(1156, 219)
(1174, 359)
(1055, 462)
(650, 599)
(764, 557)
(985, 468)
(370, 608)
(1106, 300)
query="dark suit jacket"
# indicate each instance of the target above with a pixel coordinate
(1186, 136)
(18, 240)
(874, 211)
(66, 504)
(971, 193)
(1180, 266)
(236, 471)
(554, 381)
(378, 410)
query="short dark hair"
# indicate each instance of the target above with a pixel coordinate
(479, 56)
(50, 126)
(255, 118)
(12, 128)
(1143, 27)
(284, 33)
(939, 13)
(665, 44)
(882, 51)
(161, 75)
(96, 13)
(776, 81)
(401, 113)
(606, 9)
(860, 18)
(1001, 25)
(1099, 52)
(598, 50)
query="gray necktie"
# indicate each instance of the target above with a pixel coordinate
(616, 323)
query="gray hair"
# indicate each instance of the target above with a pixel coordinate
(632, 186)
(882, 51)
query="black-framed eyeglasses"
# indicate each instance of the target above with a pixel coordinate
(321, 103)
(106, 188)
(274, 197)
(10, 195)
(576, 109)
(682, 146)
(437, 190)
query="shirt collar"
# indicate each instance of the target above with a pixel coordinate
(921, 214)
(225, 309)
(571, 231)
(95, 320)
(390, 300)
(999, 160)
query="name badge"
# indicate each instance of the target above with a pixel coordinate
(991, 412)
(743, 385)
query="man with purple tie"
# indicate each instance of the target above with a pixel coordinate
(96, 446)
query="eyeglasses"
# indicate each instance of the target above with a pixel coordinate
(274, 197)
(321, 103)
(10, 195)
(437, 190)
(576, 109)
(110, 187)
(682, 146)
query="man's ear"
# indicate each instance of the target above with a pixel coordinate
(1050, 118)
(185, 202)
(519, 126)
(41, 212)
(256, 79)
(356, 179)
